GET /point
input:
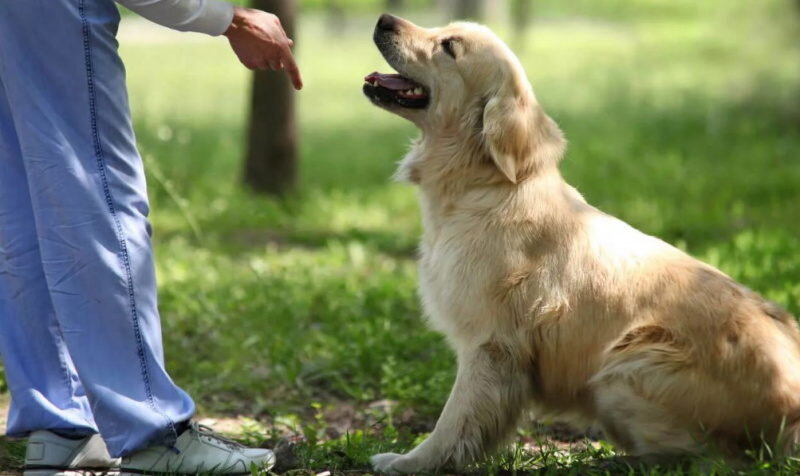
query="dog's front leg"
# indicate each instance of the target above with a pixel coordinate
(484, 405)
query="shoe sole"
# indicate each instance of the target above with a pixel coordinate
(86, 472)
(155, 473)
(135, 472)
(264, 468)
(120, 472)
(172, 473)
(151, 473)
(71, 472)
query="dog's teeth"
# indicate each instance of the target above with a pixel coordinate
(417, 90)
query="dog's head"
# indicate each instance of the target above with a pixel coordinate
(461, 81)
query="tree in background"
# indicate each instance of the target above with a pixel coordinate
(521, 14)
(468, 9)
(271, 161)
(394, 5)
(335, 17)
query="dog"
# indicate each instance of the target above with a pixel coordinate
(550, 304)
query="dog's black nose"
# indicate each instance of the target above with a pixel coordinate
(387, 22)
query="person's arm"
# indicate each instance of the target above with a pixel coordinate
(211, 17)
(257, 37)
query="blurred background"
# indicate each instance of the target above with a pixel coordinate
(286, 254)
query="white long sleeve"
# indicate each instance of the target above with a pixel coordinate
(212, 17)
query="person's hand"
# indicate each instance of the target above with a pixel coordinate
(260, 42)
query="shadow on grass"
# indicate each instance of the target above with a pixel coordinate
(387, 243)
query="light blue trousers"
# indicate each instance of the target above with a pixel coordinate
(80, 333)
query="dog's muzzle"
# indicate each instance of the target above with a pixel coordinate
(392, 89)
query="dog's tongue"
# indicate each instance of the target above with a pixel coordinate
(394, 82)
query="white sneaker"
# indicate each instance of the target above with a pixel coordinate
(49, 454)
(198, 450)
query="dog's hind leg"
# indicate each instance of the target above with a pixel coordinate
(638, 424)
(645, 378)
(636, 396)
(485, 403)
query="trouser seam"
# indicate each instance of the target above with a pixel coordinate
(101, 168)
(59, 338)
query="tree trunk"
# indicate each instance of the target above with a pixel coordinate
(521, 15)
(335, 18)
(468, 9)
(271, 161)
(394, 5)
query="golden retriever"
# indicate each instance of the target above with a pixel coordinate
(549, 303)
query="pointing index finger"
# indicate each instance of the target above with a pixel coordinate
(291, 68)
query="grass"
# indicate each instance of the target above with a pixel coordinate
(302, 315)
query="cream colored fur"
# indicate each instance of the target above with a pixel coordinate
(550, 303)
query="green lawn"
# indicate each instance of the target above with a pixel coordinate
(682, 118)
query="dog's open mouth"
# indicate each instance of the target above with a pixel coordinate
(386, 89)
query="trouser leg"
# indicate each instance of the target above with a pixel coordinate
(66, 90)
(45, 390)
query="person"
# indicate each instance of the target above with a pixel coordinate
(80, 333)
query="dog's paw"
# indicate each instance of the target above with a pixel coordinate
(386, 463)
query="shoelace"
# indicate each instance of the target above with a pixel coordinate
(205, 431)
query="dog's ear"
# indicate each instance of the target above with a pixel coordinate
(518, 136)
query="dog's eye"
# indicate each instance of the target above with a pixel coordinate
(447, 46)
